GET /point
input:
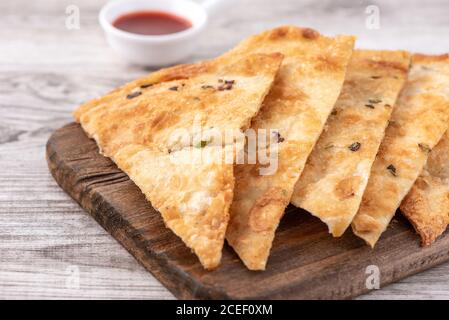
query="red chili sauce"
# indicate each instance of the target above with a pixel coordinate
(151, 23)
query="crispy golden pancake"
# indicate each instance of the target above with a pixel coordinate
(140, 126)
(335, 176)
(304, 93)
(427, 205)
(418, 122)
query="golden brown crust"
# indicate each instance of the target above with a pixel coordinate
(424, 58)
(135, 125)
(193, 198)
(334, 179)
(418, 122)
(427, 204)
(301, 99)
(192, 100)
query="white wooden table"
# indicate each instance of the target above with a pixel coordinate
(46, 70)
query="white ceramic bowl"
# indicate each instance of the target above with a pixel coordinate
(159, 50)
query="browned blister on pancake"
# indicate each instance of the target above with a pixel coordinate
(335, 176)
(296, 109)
(427, 205)
(153, 129)
(419, 120)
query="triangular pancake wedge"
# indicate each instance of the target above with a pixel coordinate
(418, 122)
(427, 205)
(334, 179)
(158, 130)
(296, 109)
(193, 197)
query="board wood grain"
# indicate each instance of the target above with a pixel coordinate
(305, 263)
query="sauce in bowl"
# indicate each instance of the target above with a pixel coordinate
(151, 23)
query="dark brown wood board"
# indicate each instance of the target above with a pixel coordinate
(305, 262)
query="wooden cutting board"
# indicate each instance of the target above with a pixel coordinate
(305, 262)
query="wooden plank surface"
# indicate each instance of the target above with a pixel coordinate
(46, 239)
(305, 261)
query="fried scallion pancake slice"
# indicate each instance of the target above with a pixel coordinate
(193, 197)
(427, 205)
(222, 94)
(336, 173)
(296, 109)
(151, 126)
(418, 122)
